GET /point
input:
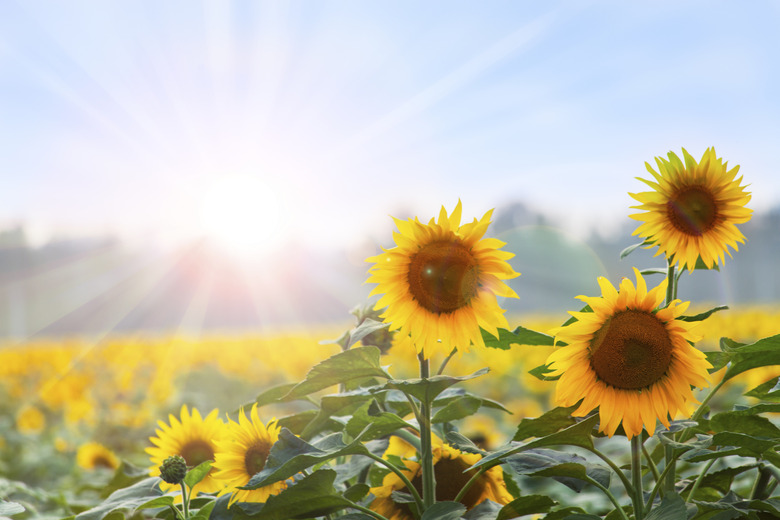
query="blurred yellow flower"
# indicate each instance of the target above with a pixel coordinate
(92, 455)
(440, 282)
(30, 420)
(693, 209)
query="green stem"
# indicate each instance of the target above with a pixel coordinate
(185, 501)
(662, 478)
(446, 360)
(368, 511)
(671, 287)
(650, 463)
(426, 444)
(610, 496)
(699, 479)
(759, 488)
(636, 476)
(409, 437)
(616, 469)
(176, 512)
(401, 475)
(688, 433)
(468, 484)
(671, 294)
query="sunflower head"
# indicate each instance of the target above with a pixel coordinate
(450, 467)
(440, 282)
(693, 209)
(93, 455)
(192, 437)
(629, 358)
(243, 453)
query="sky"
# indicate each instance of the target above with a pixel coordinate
(267, 122)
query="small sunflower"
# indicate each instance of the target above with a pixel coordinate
(449, 466)
(632, 361)
(440, 282)
(93, 455)
(195, 439)
(243, 453)
(693, 210)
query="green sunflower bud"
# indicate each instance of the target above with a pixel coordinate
(173, 469)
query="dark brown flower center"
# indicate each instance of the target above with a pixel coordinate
(692, 210)
(196, 452)
(443, 276)
(103, 461)
(632, 350)
(255, 457)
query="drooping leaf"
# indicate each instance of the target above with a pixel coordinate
(549, 422)
(704, 315)
(767, 391)
(356, 363)
(518, 336)
(567, 468)
(526, 505)
(366, 327)
(291, 455)
(368, 425)
(426, 390)
(444, 511)
(630, 249)
(463, 443)
(486, 510)
(197, 474)
(653, 270)
(126, 499)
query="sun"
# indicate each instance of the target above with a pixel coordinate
(243, 214)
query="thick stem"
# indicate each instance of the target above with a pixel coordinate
(671, 294)
(426, 445)
(185, 501)
(636, 477)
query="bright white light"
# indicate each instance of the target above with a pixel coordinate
(243, 214)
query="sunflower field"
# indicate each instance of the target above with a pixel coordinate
(430, 402)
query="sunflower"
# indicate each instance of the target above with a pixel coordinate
(694, 209)
(92, 455)
(242, 454)
(629, 358)
(449, 466)
(440, 282)
(195, 439)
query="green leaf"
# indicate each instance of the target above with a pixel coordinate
(744, 421)
(653, 270)
(426, 390)
(457, 409)
(357, 492)
(704, 315)
(486, 510)
(10, 508)
(356, 363)
(344, 403)
(519, 336)
(526, 505)
(310, 497)
(549, 422)
(444, 511)
(630, 249)
(763, 352)
(541, 372)
(570, 513)
(366, 327)
(298, 422)
(273, 395)
(126, 499)
(204, 512)
(125, 475)
(717, 359)
(722, 480)
(672, 506)
(578, 434)
(291, 455)
(567, 468)
(367, 424)
(163, 501)
(767, 391)
(197, 474)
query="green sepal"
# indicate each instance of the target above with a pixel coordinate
(197, 474)
(704, 315)
(526, 505)
(518, 336)
(356, 363)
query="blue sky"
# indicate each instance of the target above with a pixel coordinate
(120, 117)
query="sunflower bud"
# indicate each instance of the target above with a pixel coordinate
(173, 469)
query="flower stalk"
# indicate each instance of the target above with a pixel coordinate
(426, 444)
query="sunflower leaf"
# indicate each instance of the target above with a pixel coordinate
(518, 336)
(273, 395)
(426, 390)
(704, 315)
(444, 511)
(197, 474)
(672, 506)
(486, 510)
(365, 425)
(630, 249)
(356, 363)
(463, 443)
(569, 469)
(290, 455)
(746, 421)
(457, 409)
(126, 499)
(541, 372)
(526, 505)
(10, 508)
(763, 352)
(721, 480)
(547, 423)
(767, 391)
(366, 327)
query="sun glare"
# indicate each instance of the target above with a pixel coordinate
(243, 214)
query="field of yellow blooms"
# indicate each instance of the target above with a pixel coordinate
(73, 410)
